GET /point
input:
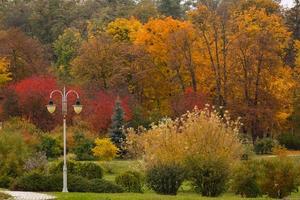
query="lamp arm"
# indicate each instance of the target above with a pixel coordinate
(56, 91)
(74, 92)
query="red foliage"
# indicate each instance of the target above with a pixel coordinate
(98, 112)
(33, 95)
(187, 101)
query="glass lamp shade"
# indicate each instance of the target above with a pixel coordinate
(77, 108)
(51, 108)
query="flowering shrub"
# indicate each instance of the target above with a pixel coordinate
(202, 133)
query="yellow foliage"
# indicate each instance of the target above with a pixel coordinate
(5, 75)
(124, 29)
(105, 149)
(200, 133)
(298, 53)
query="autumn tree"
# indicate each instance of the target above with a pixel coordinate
(25, 55)
(99, 60)
(213, 24)
(265, 90)
(293, 21)
(123, 29)
(174, 48)
(4, 73)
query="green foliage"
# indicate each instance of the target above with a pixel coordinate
(281, 177)
(5, 181)
(104, 186)
(245, 179)
(83, 147)
(165, 179)
(132, 181)
(264, 145)
(209, 176)
(13, 153)
(65, 48)
(170, 8)
(50, 146)
(57, 167)
(116, 131)
(35, 181)
(89, 170)
(290, 141)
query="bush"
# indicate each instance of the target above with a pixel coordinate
(88, 170)
(5, 181)
(290, 141)
(105, 149)
(165, 179)
(57, 167)
(13, 153)
(78, 184)
(53, 183)
(31, 182)
(209, 176)
(132, 181)
(50, 146)
(264, 145)
(280, 177)
(245, 179)
(83, 147)
(104, 186)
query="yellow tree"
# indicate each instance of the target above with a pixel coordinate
(262, 85)
(213, 23)
(5, 75)
(174, 49)
(124, 29)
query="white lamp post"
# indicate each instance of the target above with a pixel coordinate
(51, 107)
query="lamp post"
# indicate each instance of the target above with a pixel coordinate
(51, 107)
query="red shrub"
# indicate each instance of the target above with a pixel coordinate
(33, 95)
(99, 110)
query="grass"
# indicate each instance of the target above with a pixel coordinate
(146, 196)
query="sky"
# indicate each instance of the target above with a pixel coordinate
(287, 3)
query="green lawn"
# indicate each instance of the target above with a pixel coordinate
(146, 196)
(152, 196)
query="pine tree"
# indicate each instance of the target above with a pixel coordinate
(116, 132)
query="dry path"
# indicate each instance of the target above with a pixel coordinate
(28, 195)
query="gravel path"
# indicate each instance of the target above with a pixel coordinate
(28, 195)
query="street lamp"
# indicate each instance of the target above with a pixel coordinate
(51, 107)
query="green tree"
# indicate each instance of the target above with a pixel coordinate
(116, 132)
(170, 8)
(65, 49)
